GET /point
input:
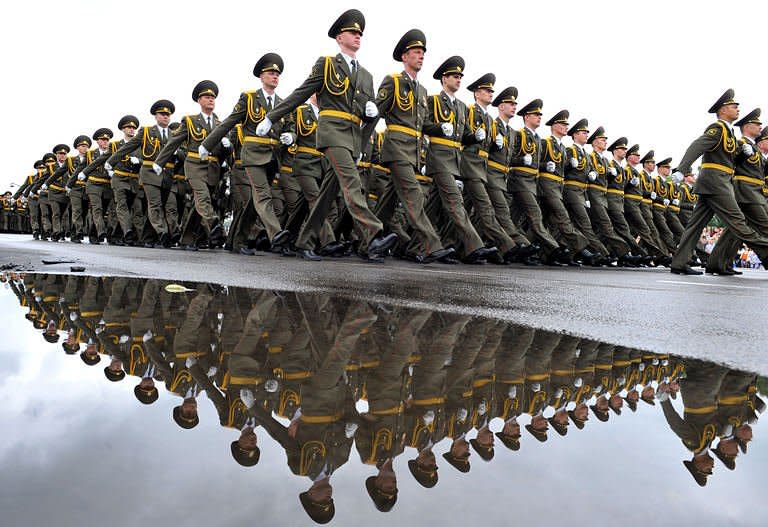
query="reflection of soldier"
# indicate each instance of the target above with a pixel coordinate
(510, 379)
(537, 381)
(698, 426)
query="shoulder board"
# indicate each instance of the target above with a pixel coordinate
(249, 91)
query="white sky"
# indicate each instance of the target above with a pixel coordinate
(648, 70)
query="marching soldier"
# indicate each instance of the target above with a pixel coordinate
(718, 146)
(550, 185)
(523, 179)
(661, 203)
(77, 198)
(633, 201)
(200, 171)
(446, 127)
(688, 198)
(615, 195)
(259, 154)
(124, 180)
(145, 146)
(42, 191)
(345, 96)
(31, 198)
(57, 193)
(402, 102)
(650, 197)
(673, 210)
(97, 186)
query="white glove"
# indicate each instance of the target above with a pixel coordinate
(527, 160)
(211, 371)
(44, 187)
(512, 392)
(224, 164)
(558, 393)
(371, 110)
(227, 192)
(246, 396)
(676, 202)
(157, 168)
(653, 195)
(587, 204)
(662, 396)
(500, 140)
(634, 181)
(666, 202)
(747, 149)
(592, 175)
(67, 190)
(612, 171)
(264, 127)
(428, 417)
(286, 139)
(271, 386)
(551, 166)
(578, 382)
(191, 361)
(225, 142)
(133, 159)
(107, 166)
(536, 387)
(481, 408)
(123, 339)
(350, 429)
(460, 185)
(147, 336)
(203, 152)
(423, 170)
(447, 129)
(73, 316)
(574, 162)
(461, 415)
(480, 134)
(677, 176)
(110, 173)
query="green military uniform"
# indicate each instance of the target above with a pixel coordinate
(523, 179)
(718, 146)
(633, 201)
(578, 173)
(146, 145)
(402, 102)
(648, 192)
(688, 200)
(675, 195)
(344, 90)
(597, 194)
(260, 155)
(77, 197)
(33, 203)
(125, 183)
(660, 203)
(57, 195)
(748, 184)
(97, 186)
(615, 195)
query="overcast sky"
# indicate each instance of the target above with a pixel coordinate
(648, 70)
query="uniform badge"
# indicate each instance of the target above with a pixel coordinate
(712, 131)
(382, 93)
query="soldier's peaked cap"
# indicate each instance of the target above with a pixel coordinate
(621, 142)
(648, 157)
(597, 134)
(205, 87)
(103, 133)
(725, 99)
(582, 125)
(485, 82)
(414, 38)
(508, 94)
(82, 140)
(751, 117)
(350, 20)
(535, 106)
(451, 65)
(319, 512)
(128, 120)
(268, 62)
(667, 162)
(763, 135)
(162, 106)
(634, 150)
(560, 117)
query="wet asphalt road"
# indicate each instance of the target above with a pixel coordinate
(717, 318)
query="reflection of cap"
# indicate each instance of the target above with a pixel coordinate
(699, 476)
(53, 338)
(541, 435)
(246, 458)
(113, 375)
(350, 20)
(427, 477)
(268, 62)
(509, 441)
(560, 428)
(319, 512)
(460, 464)
(414, 38)
(70, 349)
(91, 359)
(383, 501)
(145, 395)
(184, 422)
(485, 452)
(602, 415)
(728, 460)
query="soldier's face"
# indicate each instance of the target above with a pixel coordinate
(129, 131)
(730, 112)
(207, 103)
(452, 82)
(61, 157)
(414, 59)
(349, 40)
(580, 137)
(560, 129)
(663, 171)
(508, 109)
(82, 149)
(103, 143)
(599, 144)
(484, 96)
(163, 119)
(751, 130)
(270, 79)
(581, 412)
(633, 159)
(763, 146)
(620, 153)
(532, 120)
(649, 166)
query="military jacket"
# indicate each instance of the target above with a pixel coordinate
(444, 153)
(474, 157)
(307, 158)
(402, 103)
(749, 176)
(145, 145)
(190, 135)
(717, 147)
(632, 191)
(523, 177)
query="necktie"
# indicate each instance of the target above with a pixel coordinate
(208, 119)
(165, 137)
(354, 66)
(269, 103)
